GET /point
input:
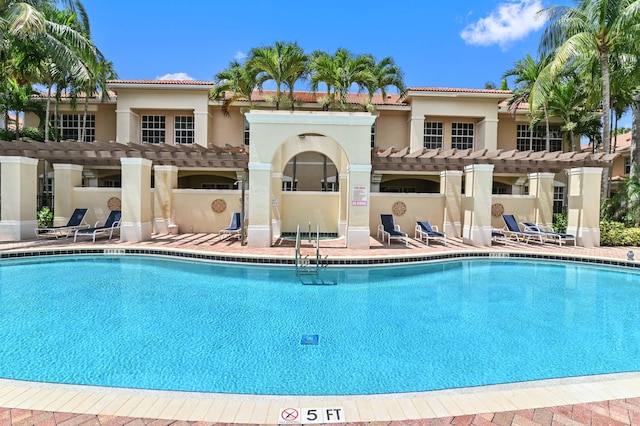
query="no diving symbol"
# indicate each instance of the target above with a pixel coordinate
(289, 414)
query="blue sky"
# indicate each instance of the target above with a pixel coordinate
(451, 43)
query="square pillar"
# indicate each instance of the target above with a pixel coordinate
(276, 204)
(259, 233)
(166, 180)
(66, 177)
(451, 188)
(136, 200)
(541, 187)
(18, 193)
(358, 232)
(416, 134)
(343, 189)
(583, 214)
(200, 122)
(477, 205)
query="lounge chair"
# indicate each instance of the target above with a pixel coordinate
(111, 225)
(76, 221)
(234, 228)
(391, 230)
(426, 231)
(512, 230)
(548, 234)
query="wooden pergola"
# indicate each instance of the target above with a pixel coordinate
(110, 153)
(513, 161)
(195, 156)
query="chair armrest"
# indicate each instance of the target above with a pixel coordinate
(435, 228)
(396, 227)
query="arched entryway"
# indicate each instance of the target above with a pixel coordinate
(278, 136)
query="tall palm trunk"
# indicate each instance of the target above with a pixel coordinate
(46, 117)
(635, 137)
(606, 107)
(83, 128)
(546, 122)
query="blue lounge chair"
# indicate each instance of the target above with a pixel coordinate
(76, 221)
(512, 230)
(391, 230)
(234, 227)
(111, 225)
(548, 234)
(426, 231)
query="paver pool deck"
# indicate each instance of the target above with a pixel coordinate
(594, 400)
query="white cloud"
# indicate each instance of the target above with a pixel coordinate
(511, 21)
(240, 56)
(175, 76)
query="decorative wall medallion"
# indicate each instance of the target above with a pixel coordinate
(114, 203)
(218, 205)
(399, 208)
(497, 209)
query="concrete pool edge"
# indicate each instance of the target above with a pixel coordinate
(264, 409)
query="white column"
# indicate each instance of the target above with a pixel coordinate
(477, 205)
(136, 200)
(259, 232)
(18, 193)
(583, 214)
(358, 230)
(200, 124)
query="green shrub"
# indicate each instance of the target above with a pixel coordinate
(45, 217)
(617, 234)
(560, 223)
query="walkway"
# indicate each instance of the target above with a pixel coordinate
(600, 400)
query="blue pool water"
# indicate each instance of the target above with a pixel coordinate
(165, 324)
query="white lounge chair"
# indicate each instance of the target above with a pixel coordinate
(389, 229)
(425, 231)
(111, 225)
(234, 228)
(76, 221)
(548, 234)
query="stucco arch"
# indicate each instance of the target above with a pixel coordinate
(276, 136)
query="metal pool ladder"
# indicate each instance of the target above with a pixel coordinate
(304, 264)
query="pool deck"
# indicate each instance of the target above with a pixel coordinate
(594, 400)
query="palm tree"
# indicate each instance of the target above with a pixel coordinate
(384, 74)
(281, 63)
(239, 80)
(527, 73)
(31, 19)
(592, 29)
(323, 70)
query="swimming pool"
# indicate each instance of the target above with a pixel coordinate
(155, 323)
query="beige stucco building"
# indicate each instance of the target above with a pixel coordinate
(165, 152)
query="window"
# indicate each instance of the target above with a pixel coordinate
(153, 128)
(70, 126)
(433, 135)
(462, 135)
(183, 125)
(558, 199)
(247, 134)
(373, 135)
(528, 140)
(627, 165)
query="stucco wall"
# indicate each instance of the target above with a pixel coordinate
(95, 199)
(521, 206)
(319, 208)
(392, 130)
(194, 213)
(429, 207)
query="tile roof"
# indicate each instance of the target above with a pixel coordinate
(311, 97)
(620, 143)
(459, 90)
(164, 82)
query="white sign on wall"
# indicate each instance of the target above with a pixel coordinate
(359, 195)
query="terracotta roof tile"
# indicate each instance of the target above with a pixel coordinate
(163, 82)
(310, 97)
(459, 90)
